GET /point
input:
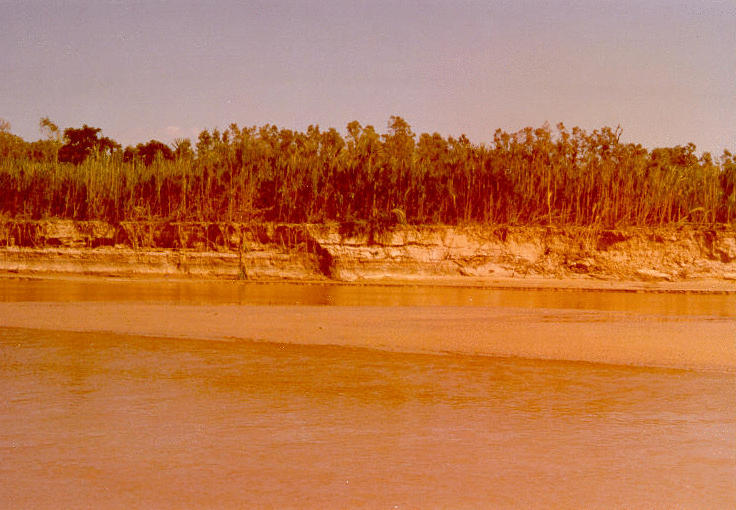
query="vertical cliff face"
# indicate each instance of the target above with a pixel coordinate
(494, 251)
(273, 251)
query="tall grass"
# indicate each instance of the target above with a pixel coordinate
(532, 177)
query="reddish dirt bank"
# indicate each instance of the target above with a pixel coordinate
(674, 258)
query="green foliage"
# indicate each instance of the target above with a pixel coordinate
(83, 142)
(148, 152)
(367, 181)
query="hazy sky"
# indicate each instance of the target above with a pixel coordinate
(663, 70)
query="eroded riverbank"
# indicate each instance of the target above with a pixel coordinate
(673, 258)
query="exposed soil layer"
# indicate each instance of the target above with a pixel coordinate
(675, 256)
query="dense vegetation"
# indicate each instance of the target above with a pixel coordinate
(535, 176)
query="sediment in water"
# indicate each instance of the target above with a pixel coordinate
(267, 251)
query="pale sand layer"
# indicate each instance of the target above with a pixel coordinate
(593, 336)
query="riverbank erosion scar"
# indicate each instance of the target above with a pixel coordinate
(269, 251)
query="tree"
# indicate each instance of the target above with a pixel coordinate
(49, 129)
(183, 148)
(150, 150)
(82, 142)
(48, 149)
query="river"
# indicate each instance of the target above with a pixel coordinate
(96, 414)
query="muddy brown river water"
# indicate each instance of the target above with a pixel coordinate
(154, 395)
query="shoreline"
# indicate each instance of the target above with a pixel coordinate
(527, 259)
(702, 286)
(625, 323)
(595, 336)
(666, 259)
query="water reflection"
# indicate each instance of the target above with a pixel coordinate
(101, 420)
(248, 293)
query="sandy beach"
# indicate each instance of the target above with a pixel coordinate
(574, 335)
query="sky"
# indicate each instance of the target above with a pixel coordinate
(665, 71)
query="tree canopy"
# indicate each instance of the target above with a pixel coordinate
(82, 142)
(148, 152)
(536, 176)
